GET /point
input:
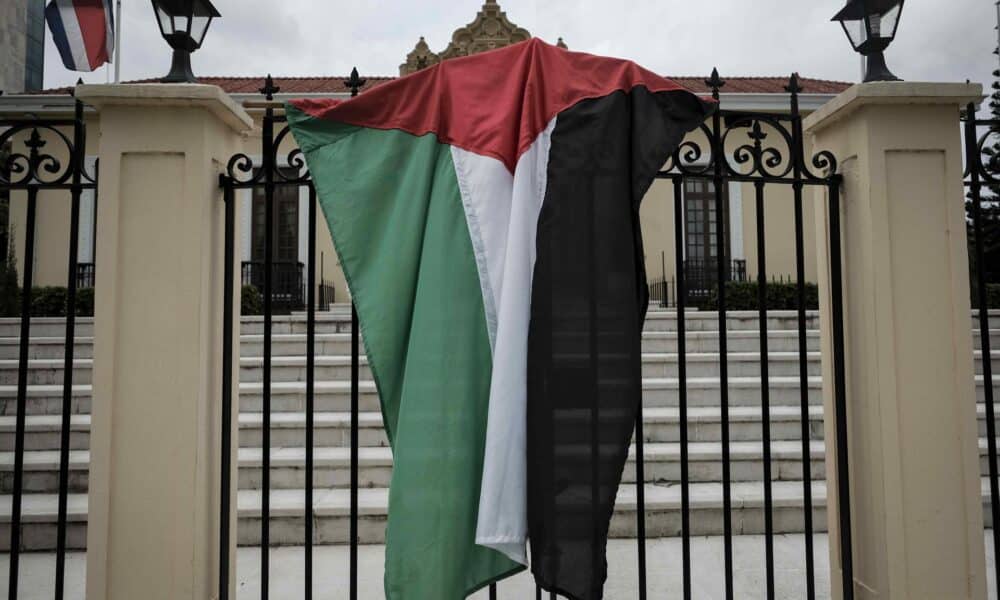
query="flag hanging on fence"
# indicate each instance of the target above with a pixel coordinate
(486, 215)
(83, 32)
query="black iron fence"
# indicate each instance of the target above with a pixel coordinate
(700, 275)
(85, 275)
(327, 295)
(982, 204)
(287, 282)
(769, 151)
(46, 157)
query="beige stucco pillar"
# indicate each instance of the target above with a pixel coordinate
(911, 410)
(154, 507)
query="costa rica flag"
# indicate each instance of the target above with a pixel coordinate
(83, 31)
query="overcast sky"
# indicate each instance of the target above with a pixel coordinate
(949, 40)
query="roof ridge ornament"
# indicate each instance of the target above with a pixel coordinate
(491, 29)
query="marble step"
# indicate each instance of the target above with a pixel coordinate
(339, 344)
(339, 322)
(335, 396)
(338, 368)
(331, 515)
(332, 465)
(332, 429)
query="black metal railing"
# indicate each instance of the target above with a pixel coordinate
(47, 155)
(327, 295)
(700, 276)
(782, 163)
(287, 282)
(663, 292)
(982, 204)
(85, 275)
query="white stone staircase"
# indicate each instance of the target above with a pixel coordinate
(332, 430)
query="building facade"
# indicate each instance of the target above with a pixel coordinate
(701, 225)
(22, 44)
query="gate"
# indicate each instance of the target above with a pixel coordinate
(734, 147)
(46, 156)
(982, 174)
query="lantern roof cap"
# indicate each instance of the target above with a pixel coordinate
(859, 9)
(200, 8)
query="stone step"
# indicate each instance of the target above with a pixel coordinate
(339, 322)
(332, 466)
(339, 344)
(332, 429)
(335, 396)
(332, 514)
(338, 368)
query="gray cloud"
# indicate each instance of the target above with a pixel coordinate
(950, 41)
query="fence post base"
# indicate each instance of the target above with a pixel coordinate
(916, 501)
(153, 529)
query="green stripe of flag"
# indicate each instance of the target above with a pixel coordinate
(394, 209)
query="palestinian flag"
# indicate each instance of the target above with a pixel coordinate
(486, 215)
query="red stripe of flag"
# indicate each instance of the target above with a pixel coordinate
(93, 27)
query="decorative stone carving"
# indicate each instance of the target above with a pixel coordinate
(490, 30)
(420, 57)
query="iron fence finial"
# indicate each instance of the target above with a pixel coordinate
(355, 83)
(794, 87)
(715, 82)
(269, 89)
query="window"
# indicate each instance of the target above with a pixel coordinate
(34, 63)
(702, 226)
(284, 224)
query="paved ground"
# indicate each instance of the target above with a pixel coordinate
(663, 571)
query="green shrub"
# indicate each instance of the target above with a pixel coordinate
(992, 295)
(10, 295)
(742, 295)
(52, 302)
(251, 301)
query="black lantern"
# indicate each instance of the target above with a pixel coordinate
(183, 23)
(871, 26)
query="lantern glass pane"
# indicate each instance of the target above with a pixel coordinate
(166, 23)
(181, 24)
(890, 20)
(856, 32)
(199, 25)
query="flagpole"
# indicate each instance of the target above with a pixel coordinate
(118, 41)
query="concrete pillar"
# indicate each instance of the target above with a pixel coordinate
(911, 412)
(154, 504)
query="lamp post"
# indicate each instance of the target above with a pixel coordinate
(183, 23)
(871, 26)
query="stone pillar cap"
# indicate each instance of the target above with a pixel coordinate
(891, 92)
(183, 95)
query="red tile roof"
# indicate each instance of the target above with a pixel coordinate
(328, 85)
(763, 85)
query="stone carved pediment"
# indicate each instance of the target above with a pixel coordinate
(490, 30)
(420, 57)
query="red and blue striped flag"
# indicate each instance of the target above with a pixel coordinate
(83, 31)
